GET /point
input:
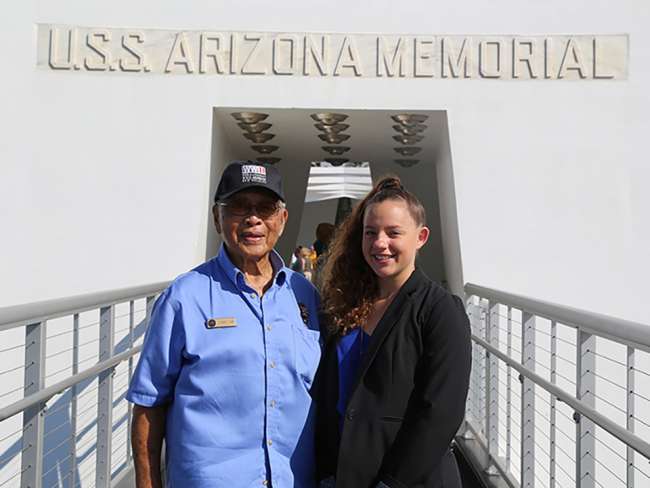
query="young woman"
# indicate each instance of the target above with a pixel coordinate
(393, 380)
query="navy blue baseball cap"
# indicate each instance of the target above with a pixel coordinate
(242, 175)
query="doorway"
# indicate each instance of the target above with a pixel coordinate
(412, 144)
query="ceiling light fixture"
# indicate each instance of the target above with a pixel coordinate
(329, 118)
(407, 150)
(255, 128)
(407, 163)
(411, 130)
(409, 120)
(249, 117)
(335, 150)
(260, 138)
(265, 149)
(268, 160)
(333, 138)
(408, 140)
(331, 129)
(336, 161)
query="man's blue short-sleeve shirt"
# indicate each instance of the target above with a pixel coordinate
(239, 410)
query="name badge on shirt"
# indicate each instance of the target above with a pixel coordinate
(219, 323)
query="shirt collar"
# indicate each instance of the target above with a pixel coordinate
(236, 275)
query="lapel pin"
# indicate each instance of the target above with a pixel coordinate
(304, 313)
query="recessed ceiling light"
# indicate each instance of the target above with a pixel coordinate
(335, 150)
(336, 161)
(407, 163)
(249, 117)
(329, 118)
(265, 149)
(268, 160)
(255, 128)
(333, 138)
(260, 138)
(409, 119)
(408, 140)
(407, 150)
(411, 130)
(331, 129)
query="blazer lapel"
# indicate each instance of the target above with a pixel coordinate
(392, 314)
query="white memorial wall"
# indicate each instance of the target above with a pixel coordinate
(107, 141)
(104, 167)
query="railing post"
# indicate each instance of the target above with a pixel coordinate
(585, 391)
(509, 394)
(105, 399)
(552, 453)
(482, 367)
(73, 401)
(130, 374)
(33, 417)
(475, 323)
(527, 402)
(492, 379)
(150, 302)
(631, 412)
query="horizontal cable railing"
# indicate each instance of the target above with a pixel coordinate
(555, 393)
(558, 398)
(66, 367)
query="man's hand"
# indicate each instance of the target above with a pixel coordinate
(147, 432)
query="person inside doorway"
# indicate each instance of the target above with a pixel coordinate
(324, 235)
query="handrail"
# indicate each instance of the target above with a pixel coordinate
(630, 333)
(622, 434)
(46, 393)
(20, 315)
(34, 319)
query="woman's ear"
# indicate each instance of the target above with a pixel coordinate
(423, 236)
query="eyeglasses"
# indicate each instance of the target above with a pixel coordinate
(238, 208)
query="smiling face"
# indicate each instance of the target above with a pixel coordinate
(391, 239)
(250, 222)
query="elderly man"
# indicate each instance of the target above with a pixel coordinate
(230, 356)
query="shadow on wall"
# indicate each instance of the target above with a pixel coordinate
(220, 154)
(229, 144)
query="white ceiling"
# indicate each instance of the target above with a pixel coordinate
(371, 135)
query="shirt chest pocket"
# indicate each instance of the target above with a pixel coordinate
(307, 352)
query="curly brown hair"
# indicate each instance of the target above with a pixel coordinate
(349, 285)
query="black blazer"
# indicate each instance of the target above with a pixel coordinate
(408, 400)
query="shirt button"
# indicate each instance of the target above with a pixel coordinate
(268, 327)
(269, 442)
(273, 403)
(265, 482)
(272, 364)
(253, 296)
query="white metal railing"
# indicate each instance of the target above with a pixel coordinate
(65, 368)
(559, 397)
